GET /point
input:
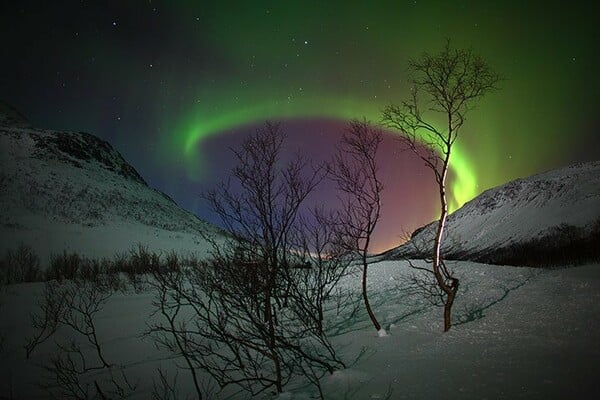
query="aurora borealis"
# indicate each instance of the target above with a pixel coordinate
(172, 84)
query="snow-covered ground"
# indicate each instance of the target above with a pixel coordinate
(519, 333)
(103, 241)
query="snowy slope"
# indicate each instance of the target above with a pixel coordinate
(517, 212)
(9, 116)
(66, 190)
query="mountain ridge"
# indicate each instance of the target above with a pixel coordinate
(526, 214)
(70, 189)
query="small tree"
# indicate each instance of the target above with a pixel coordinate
(445, 87)
(261, 216)
(327, 262)
(354, 169)
(20, 265)
(257, 302)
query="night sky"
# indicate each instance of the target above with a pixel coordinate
(173, 84)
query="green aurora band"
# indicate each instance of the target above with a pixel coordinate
(166, 81)
(190, 137)
(239, 64)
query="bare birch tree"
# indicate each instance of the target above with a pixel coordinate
(251, 316)
(445, 87)
(354, 170)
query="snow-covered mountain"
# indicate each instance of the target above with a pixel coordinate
(553, 212)
(72, 191)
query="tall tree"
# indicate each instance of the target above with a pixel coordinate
(354, 169)
(445, 87)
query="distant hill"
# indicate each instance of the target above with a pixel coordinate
(9, 116)
(552, 218)
(71, 190)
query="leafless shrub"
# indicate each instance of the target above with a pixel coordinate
(327, 261)
(72, 304)
(49, 319)
(71, 372)
(64, 266)
(64, 379)
(188, 259)
(68, 378)
(165, 388)
(141, 262)
(20, 265)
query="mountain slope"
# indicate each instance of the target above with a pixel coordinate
(553, 212)
(66, 190)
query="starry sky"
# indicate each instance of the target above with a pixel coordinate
(173, 84)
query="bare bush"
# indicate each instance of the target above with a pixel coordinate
(67, 378)
(327, 261)
(73, 305)
(20, 265)
(165, 388)
(140, 263)
(47, 321)
(64, 266)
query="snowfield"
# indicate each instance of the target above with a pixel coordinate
(519, 333)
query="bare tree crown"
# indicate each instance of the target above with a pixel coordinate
(445, 87)
(446, 84)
